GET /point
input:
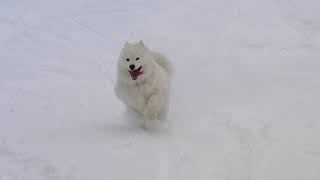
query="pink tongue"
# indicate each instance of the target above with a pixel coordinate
(134, 74)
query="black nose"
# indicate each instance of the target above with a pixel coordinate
(132, 66)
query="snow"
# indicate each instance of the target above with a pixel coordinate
(245, 97)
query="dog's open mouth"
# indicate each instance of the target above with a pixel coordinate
(136, 73)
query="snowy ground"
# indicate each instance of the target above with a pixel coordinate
(245, 101)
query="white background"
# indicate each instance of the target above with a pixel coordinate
(245, 96)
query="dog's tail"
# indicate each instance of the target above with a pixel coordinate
(163, 62)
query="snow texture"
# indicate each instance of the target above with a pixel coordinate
(245, 98)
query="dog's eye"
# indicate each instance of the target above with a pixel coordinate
(137, 58)
(127, 59)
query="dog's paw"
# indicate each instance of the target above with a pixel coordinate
(151, 115)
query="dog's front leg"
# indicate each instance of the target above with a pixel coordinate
(153, 106)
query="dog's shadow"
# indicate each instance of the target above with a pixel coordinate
(130, 122)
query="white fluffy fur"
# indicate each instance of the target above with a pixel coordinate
(149, 94)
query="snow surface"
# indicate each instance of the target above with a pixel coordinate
(245, 97)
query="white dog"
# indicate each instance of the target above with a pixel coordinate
(143, 81)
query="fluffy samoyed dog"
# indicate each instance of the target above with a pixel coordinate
(143, 81)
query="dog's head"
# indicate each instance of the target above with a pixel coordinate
(134, 63)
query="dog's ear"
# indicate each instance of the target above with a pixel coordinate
(126, 44)
(141, 43)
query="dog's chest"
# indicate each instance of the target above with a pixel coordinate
(146, 90)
